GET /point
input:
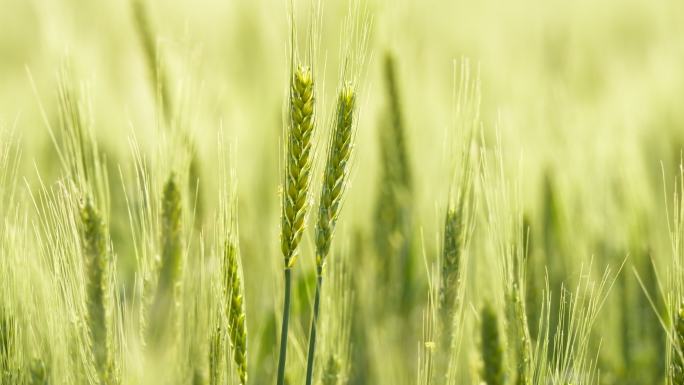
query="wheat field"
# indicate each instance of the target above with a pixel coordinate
(341, 192)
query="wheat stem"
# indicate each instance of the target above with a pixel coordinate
(284, 328)
(313, 331)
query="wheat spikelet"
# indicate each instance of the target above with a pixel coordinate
(452, 249)
(522, 339)
(235, 311)
(97, 264)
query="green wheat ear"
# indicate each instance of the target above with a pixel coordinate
(171, 261)
(452, 250)
(492, 350)
(298, 165)
(235, 311)
(677, 360)
(336, 171)
(393, 207)
(171, 235)
(295, 188)
(97, 264)
(334, 184)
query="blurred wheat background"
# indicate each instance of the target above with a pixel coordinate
(511, 215)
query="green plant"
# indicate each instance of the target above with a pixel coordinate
(98, 270)
(334, 184)
(235, 310)
(170, 265)
(295, 187)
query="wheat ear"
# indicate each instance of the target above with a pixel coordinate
(334, 183)
(171, 263)
(97, 264)
(296, 187)
(235, 311)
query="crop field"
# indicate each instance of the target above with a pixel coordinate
(341, 192)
